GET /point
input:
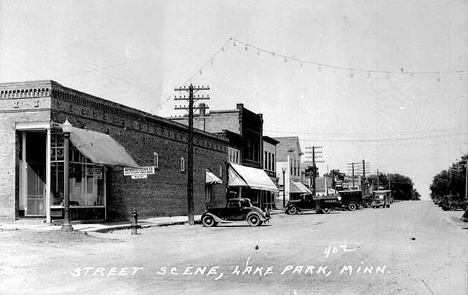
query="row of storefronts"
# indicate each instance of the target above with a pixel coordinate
(118, 158)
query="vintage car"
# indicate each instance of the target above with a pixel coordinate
(320, 204)
(453, 202)
(237, 209)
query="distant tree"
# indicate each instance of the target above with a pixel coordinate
(415, 196)
(400, 185)
(450, 181)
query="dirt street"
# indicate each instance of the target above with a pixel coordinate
(410, 248)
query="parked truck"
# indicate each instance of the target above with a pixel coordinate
(351, 199)
(320, 204)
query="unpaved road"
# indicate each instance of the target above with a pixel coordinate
(410, 248)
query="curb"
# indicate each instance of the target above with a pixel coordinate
(147, 225)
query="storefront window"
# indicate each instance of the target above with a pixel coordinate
(86, 178)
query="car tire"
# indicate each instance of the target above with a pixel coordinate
(299, 211)
(352, 206)
(254, 220)
(208, 221)
(292, 210)
(453, 207)
(326, 210)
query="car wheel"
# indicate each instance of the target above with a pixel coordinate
(254, 220)
(326, 210)
(292, 210)
(299, 211)
(352, 206)
(208, 221)
(453, 207)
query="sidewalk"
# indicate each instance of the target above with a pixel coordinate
(106, 226)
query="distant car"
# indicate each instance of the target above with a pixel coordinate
(382, 198)
(238, 209)
(453, 202)
(320, 204)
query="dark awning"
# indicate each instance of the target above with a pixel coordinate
(100, 148)
(251, 177)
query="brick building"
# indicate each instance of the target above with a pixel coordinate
(244, 131)
(31, 157)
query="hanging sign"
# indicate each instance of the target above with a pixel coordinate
(139, 171)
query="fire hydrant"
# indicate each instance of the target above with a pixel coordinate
(134, 225)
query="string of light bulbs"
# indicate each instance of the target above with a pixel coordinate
(302, 61)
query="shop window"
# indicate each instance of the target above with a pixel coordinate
(155, 160)
(182, 164)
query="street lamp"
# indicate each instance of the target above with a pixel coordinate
(66, 128)
(284, 187)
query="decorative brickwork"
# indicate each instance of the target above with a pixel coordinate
(142, 134)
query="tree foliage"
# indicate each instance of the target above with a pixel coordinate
(450, 181)
(400, 185)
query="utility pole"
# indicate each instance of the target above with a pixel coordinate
(314, 153)
(191, 100)
(352, 170)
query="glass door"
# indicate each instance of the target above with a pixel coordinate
(33, 173)
(36, 190)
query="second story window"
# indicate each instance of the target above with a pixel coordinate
(182, 164)
(156, 160)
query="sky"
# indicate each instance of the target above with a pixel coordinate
(383, 81)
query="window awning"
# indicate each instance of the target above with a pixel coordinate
(210, 178)
(100, 148)
(297, 187)
(251, 177)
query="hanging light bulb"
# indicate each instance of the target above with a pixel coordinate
(460, 77)
(234, 43)
(258, 52)
(222, 48)
(200, 72)
(368, 74)
(245, 48)
(438, 78)
(351, 74)
(285, 59)
(211, 61)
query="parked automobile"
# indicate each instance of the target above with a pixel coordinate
(382, 198)
(453, 202)
(320, 204)
(351, 199)
(237, 209)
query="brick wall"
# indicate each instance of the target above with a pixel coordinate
(165, 192)
(142, 134)
(9, 166)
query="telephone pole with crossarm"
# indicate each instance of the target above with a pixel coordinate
(191, 100)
